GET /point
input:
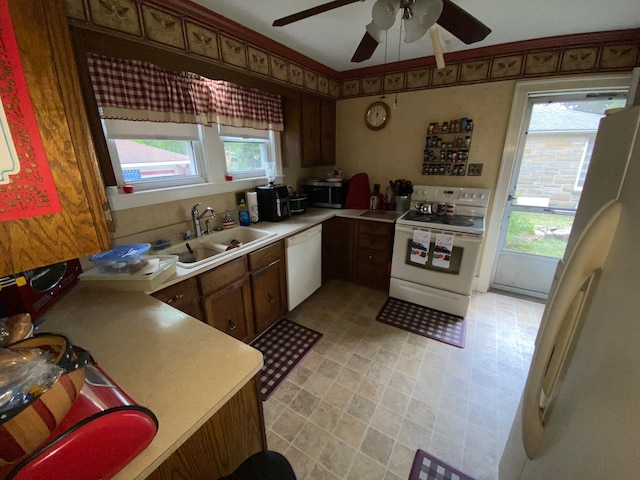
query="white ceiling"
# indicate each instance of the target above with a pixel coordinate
(331, 38)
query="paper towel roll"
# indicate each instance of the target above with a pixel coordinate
(252, 206)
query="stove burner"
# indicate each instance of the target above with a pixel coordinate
(457, 220)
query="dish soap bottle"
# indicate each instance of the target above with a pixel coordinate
(243, 214)
(228, 221)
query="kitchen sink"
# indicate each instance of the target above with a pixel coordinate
(197, 252)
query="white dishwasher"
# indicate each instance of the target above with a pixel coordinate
(304, 265)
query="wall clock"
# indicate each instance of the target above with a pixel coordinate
(377, 115)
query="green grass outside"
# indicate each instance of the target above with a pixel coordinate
(523, 234)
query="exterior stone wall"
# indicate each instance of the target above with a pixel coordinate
(551, 165)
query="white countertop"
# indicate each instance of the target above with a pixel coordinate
(179, 367)
(283, 229)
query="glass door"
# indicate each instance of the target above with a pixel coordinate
(553, 159)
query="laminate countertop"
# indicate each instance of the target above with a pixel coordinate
(179, 367)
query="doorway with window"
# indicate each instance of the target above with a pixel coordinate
(552, 160)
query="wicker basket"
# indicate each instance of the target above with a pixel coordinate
(23, 429)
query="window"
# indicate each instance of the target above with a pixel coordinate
(154, 157)
(247, 151)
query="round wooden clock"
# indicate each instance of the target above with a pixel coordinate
(377, 115)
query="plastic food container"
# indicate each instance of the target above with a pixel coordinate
(139, 282)
(122, 259)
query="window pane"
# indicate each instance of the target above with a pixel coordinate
(538, 233)
(154, 159)
(244, 156)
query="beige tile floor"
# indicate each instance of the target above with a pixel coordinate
(368, 395)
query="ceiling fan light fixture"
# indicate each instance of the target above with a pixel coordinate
(426, 13)
(384, 13)
(375, 31)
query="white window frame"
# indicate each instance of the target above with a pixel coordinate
(208, 149)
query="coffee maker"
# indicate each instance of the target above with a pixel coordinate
(273, 202)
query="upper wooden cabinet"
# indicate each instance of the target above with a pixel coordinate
(52, 80)
(309, 136)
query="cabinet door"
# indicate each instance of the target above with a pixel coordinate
(337, 248)
(229, 310)
(185, 296)
(52, 80)
(310, 131)
(328, 131)
(217, 448)
(268, 289)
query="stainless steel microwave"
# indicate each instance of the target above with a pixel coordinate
(326, 194)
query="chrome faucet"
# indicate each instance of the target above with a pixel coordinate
(196, 216)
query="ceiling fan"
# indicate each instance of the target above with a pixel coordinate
(418, 17)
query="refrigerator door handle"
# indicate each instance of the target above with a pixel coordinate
(560, 321)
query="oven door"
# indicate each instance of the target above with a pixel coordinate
(440, 268)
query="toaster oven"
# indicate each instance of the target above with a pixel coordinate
(34, 291)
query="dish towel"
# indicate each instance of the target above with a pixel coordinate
(442, 250)
(420, 246)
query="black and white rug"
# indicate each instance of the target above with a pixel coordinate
(283, 345)
(428, 467)
(424, 321)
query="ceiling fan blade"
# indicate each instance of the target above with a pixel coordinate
(462, 24)
(437, 47)
(366, 48)
(312, 11)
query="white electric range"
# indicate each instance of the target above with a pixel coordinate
(435, 255)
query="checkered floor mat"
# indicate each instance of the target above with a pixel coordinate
(282, 347)
(424, 321)
(428, 467)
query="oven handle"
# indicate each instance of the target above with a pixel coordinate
(467, 236)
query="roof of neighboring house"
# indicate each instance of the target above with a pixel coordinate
(553, 118)
(133, 152)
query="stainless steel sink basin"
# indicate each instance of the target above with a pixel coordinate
(198, 252)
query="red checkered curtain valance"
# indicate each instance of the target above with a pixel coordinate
(136, 90)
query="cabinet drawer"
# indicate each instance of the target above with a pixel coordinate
(373, 257)
(185, 296)
(266, 256)
(374, 228)
(373, 242)
(222, 276)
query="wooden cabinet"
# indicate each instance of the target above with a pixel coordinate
(80, 228)
(337, 248)
(226, 299)
(217, 448)
(373, 243)
(185, 296)
(357, 250)
(268, 285)
(309, 137)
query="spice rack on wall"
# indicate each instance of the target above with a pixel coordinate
(447, 149)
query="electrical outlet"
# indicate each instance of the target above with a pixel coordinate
(475, 169)
(240, 197)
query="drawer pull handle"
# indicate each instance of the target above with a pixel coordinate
(370, 257)
(231, 324)
(271, 297)
(176, 297)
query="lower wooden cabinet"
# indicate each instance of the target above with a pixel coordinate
(268, 285)
(357, 250)
(185, 296)
(229, 310)
(337, 248)
(217, 448)
(372, 263)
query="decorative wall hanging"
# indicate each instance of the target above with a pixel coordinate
(26, 183)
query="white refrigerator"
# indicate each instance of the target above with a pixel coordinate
(579, 416)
